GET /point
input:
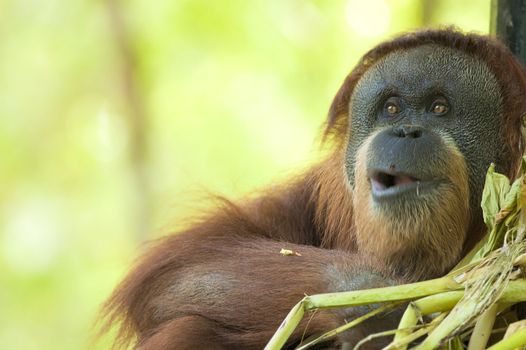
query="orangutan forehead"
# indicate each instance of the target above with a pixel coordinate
(429, 67)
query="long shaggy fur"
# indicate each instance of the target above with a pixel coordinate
(310, 212)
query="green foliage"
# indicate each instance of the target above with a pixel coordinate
(500, 209)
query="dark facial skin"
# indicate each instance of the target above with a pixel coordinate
(419, 103)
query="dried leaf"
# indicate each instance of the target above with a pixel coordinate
(288, 252)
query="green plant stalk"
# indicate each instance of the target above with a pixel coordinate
(378, 295)
(409, 319)
(482, 331)
(373, 336)
(434, 303)
(356, 298)
(343, 328)
(402, 342)
(450, 324)
(287, 327)
(514, 341)
(515, 292)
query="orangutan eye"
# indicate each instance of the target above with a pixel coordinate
(392, 107)
(439, 107)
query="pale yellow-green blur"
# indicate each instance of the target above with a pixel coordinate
(230, 94)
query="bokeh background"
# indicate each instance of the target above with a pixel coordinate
(118, 117)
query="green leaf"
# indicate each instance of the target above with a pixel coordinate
(494, 198)
(501, 205)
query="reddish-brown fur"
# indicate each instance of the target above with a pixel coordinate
(223, 283)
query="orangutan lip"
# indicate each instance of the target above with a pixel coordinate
(384, 180)
(387, 184)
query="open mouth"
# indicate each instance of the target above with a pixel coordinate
(384, 184)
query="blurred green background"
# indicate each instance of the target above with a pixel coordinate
(116, 119)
